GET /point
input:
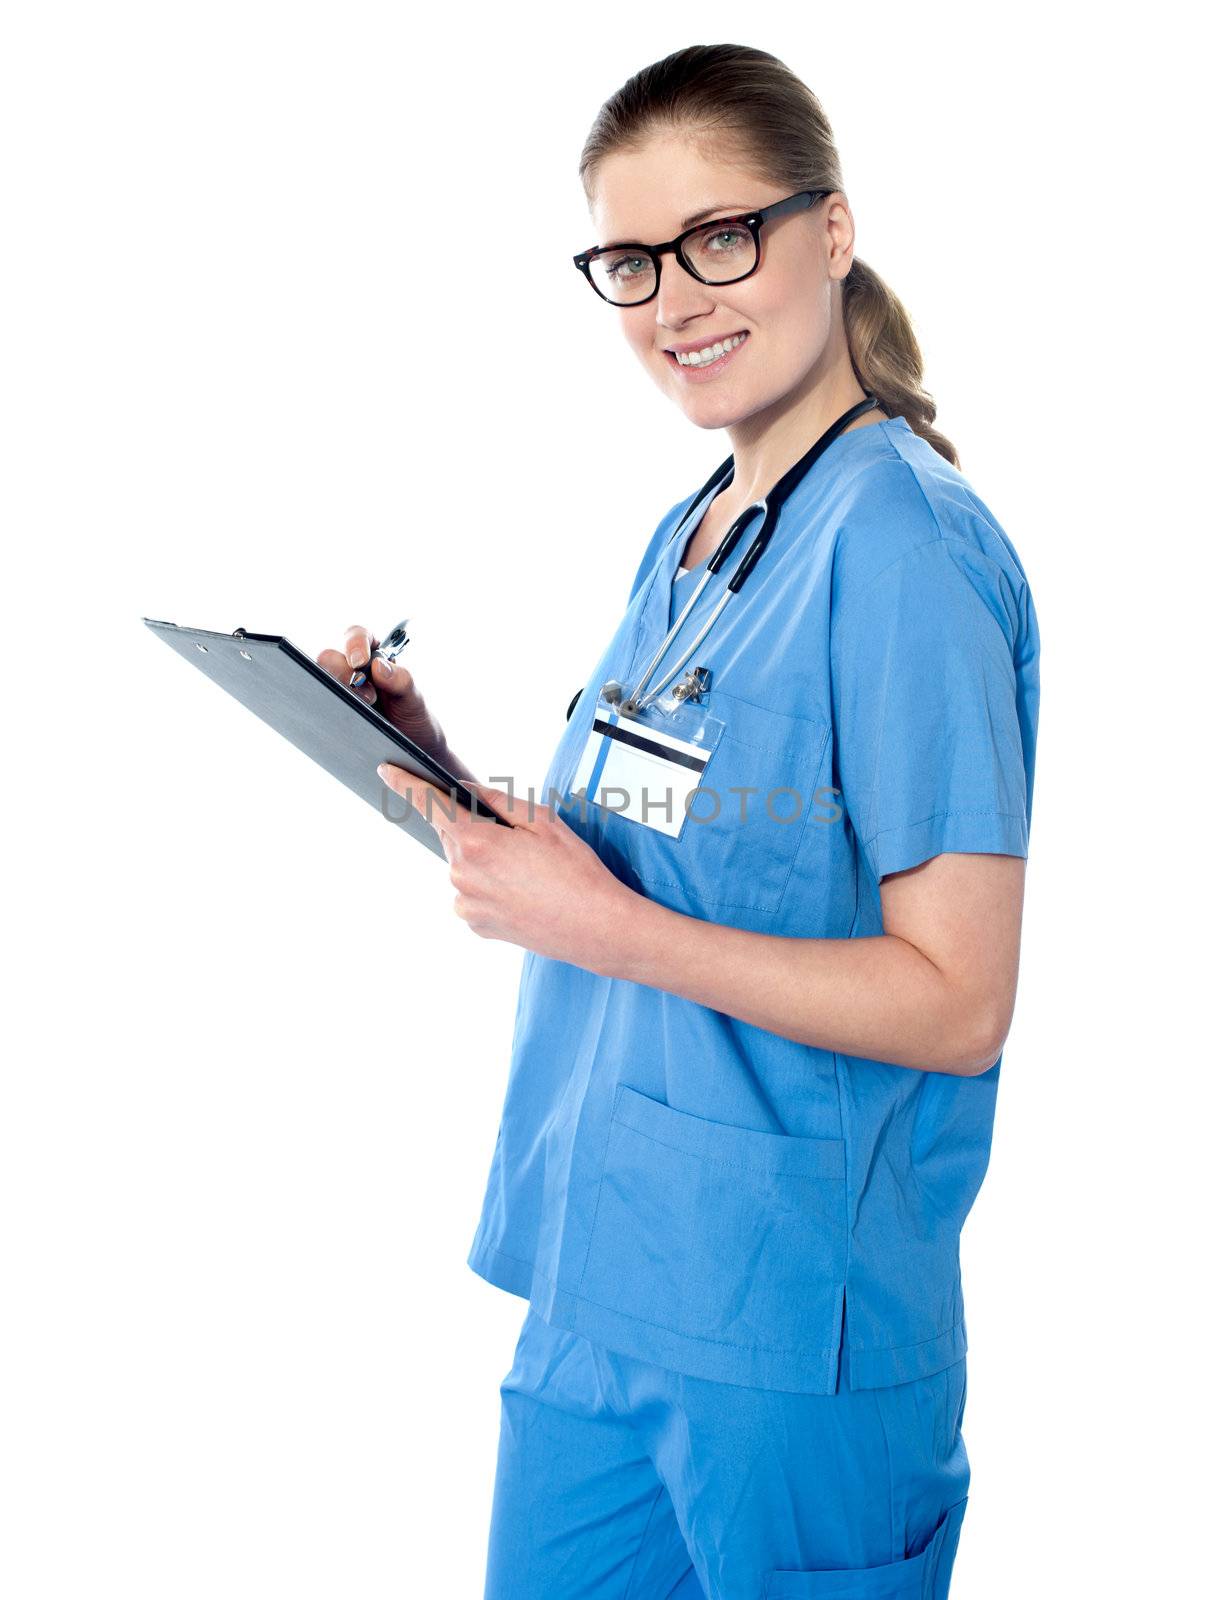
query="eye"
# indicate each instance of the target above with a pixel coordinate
(627, 266)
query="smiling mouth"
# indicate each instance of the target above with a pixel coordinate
(707, 354)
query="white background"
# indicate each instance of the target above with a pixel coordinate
(291, 339)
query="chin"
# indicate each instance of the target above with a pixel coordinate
(700, 416)
(720, 414)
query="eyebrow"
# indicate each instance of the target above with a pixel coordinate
(700, 216)
(697, 216)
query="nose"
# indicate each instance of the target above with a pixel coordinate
(681, 297)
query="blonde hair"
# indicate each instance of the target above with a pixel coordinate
(741, 99)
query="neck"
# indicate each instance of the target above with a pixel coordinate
(766, 445)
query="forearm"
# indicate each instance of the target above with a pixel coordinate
(878, 997)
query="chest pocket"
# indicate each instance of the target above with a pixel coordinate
(738, 844)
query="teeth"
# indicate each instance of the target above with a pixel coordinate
(709, 352)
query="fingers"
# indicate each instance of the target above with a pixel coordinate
(394, 680)
(381, 677)
(349, 665)
(434, 805)
(521, 810)
(334, 662)
(358, 645)
(443, 811)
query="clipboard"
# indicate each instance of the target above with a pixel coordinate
(329, 722)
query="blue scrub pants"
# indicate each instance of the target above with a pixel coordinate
(618, 1480)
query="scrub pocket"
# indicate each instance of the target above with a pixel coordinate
(738, 845)
(722, 1234)
(921, 1577)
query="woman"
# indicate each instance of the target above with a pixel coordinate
(756, 1050)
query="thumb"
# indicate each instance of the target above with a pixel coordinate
(394, 680)
(514, 808)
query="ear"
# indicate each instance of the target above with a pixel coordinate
(840, 235)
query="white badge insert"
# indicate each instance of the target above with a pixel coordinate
(647, 767)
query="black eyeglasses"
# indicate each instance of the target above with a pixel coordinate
(722, 251)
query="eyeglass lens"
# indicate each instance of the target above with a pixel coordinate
(719, 254)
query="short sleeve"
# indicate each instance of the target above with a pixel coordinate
(925, 699)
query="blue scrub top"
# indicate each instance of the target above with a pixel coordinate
(684, 1187)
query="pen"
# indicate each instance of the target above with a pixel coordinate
(389, 648)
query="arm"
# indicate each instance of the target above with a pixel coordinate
(935, 991)
(932, 775)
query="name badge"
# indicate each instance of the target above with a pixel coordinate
(638, 767)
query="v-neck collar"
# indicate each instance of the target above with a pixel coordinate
(653, 622)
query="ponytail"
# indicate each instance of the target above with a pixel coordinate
(886, 356)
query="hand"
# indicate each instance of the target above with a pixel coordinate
(536, 884)
(393, 686)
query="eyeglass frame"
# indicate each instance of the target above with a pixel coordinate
(753, 221)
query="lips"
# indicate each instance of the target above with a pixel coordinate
(707, 371)
(705, 344)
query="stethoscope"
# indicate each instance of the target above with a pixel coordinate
(613, 692)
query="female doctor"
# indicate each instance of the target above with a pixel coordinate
(770, 900)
